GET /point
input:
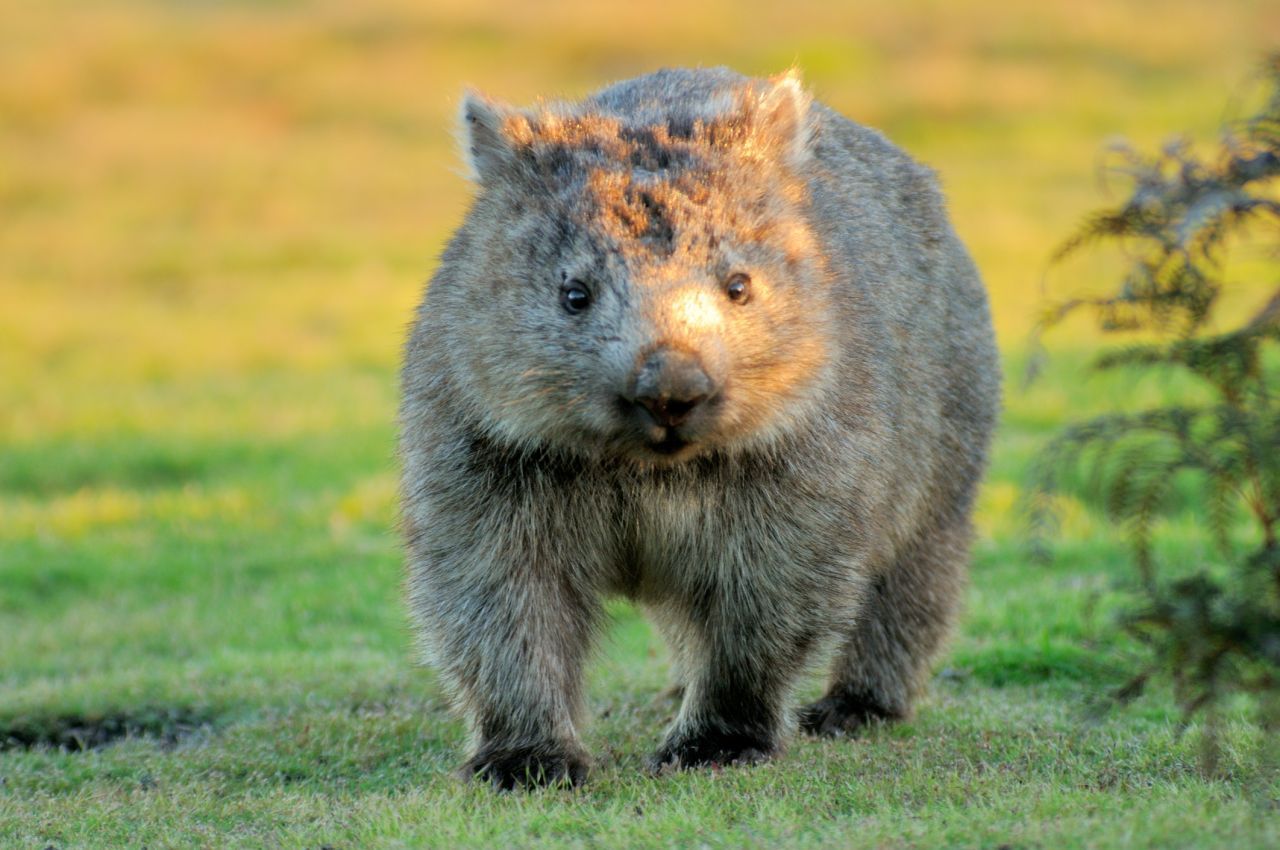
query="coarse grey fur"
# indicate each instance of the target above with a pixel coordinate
(766, 426)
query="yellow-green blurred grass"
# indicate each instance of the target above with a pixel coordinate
(203, 188)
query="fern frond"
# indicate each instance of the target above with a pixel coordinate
(1212, 628)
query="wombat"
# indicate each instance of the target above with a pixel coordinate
(703, 343)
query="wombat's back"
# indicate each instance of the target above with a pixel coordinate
(885, 224)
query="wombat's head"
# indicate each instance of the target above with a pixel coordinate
(643, 282)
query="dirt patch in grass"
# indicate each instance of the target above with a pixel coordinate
(167, 725)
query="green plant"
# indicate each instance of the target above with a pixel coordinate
(1213, 626)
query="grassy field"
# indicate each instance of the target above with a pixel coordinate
(215, 218)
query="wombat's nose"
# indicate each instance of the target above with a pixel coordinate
(670, 412)
(670, 385)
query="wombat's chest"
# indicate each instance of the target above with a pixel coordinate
(666, 535)
(683, 541)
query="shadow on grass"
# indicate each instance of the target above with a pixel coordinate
(167, 725)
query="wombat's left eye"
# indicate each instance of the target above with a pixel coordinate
(738, 289)
(575, 297)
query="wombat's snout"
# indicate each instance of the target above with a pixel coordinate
(669, 386)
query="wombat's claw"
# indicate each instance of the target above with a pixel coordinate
(711, 749)
(527, 768)
(842, 715)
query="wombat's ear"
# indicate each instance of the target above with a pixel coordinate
(782, 118)
(487, 132)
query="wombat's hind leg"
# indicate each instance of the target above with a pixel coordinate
(884, 661)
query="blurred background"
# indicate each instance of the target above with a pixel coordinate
(195, 189)
(216, 217)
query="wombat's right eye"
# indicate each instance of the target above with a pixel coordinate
(738, 289)
(575, 297)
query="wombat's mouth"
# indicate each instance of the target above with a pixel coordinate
(670, 444)
(664, 435)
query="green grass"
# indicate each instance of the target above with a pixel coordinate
(214, 221)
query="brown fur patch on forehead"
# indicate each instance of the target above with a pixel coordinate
(690, 212)
(674, 184)
(638, 207)
(556, 142)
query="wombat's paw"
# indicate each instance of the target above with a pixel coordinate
(712, 749)
(527, 767)
(843, 714)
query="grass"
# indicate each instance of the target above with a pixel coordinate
(215, 222)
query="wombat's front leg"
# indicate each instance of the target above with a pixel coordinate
(509, 641)
(734, 700)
